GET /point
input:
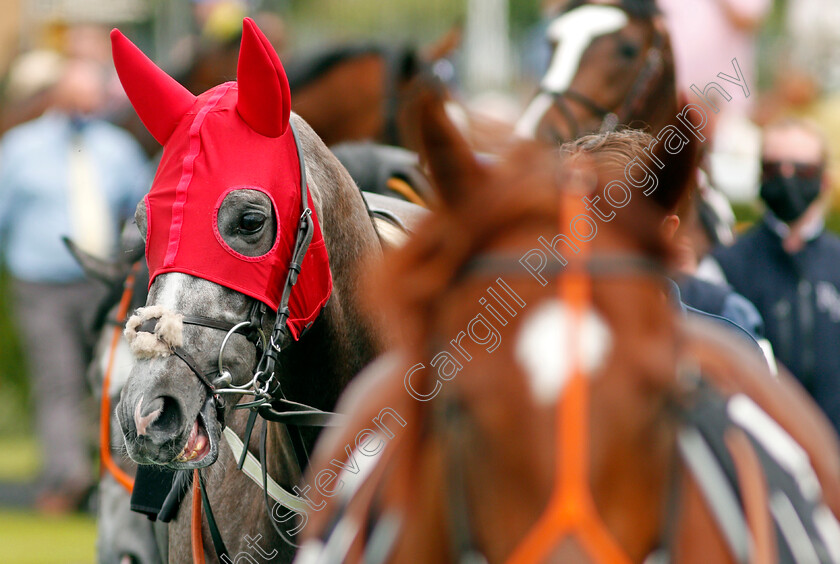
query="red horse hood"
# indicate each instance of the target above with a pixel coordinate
(234, 136)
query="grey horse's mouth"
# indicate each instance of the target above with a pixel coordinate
(201, 448)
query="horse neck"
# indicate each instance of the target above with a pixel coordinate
(660, 104)
(342, 340)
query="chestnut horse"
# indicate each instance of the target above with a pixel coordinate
(561, 417)
(611, 64)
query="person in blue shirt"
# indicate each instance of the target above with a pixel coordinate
(621, 147)
(789, 266)
(64, 174)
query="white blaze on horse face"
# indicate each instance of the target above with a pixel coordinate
(542, 348)
(170, 288)
(573, 33)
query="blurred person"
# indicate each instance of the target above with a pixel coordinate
(88, 41)
(813, 40)
(683, 225)
(708, 222)
(789, 266)
(701, 298)
(66, 173)
(706, 36)
(696, 226)
(694, 234)
(31, 77)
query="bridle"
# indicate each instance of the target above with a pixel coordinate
(571, 511)
(264, 386)
(268, 400)
(631, 104)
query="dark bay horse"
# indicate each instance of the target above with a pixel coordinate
(555, 419)
(611, 64)
(348, 92)
(247, 200)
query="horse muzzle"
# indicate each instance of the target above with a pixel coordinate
(164, 431)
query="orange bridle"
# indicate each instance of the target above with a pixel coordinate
(571, 511)
(107, 463)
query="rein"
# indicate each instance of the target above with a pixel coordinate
(630, 105)
(106, 459)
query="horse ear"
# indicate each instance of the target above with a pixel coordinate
(265, 100)
(445, 45)
(158, 99)
(110, 273)
(443, 150)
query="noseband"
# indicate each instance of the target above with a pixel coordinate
(632, 102)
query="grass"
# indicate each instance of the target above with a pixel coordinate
(19, 458)
(29, 538)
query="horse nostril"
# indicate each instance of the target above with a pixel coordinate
(161, 418)
(144, 417)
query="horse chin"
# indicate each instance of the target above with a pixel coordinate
(202, 446)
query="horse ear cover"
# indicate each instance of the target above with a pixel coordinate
(233, 136)
(159, 100)
(265, 100)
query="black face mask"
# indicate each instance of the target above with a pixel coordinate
(788, 198)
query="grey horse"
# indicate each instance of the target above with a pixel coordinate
(229, 180)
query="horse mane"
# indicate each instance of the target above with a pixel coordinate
(306, 68)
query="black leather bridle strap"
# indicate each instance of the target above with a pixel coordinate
(208, 322)
(563, 106)
(300, 414)
(181, 353)
(215, 534)
(586, 102)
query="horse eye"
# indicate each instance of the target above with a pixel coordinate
(628, 50)
(250, 223)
